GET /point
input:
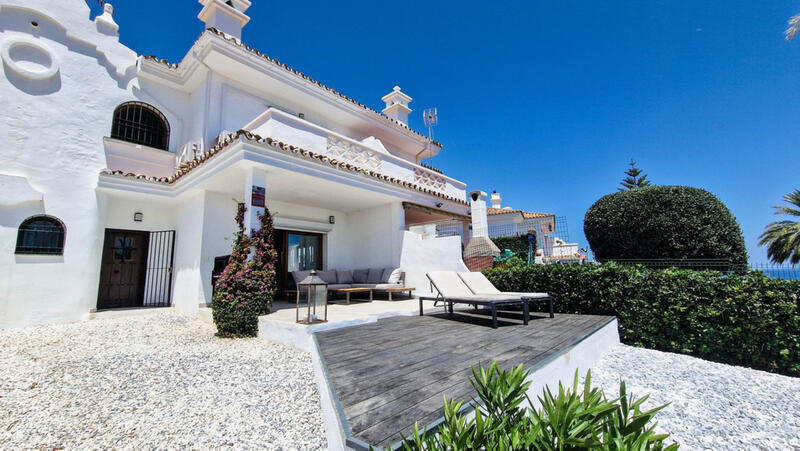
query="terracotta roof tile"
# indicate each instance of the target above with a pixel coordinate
(299, 74)
(278, 146)
(525, 214)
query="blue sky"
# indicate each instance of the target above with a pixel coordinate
(546, 102)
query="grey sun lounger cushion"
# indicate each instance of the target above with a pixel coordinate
(479, 284)
(450, 286)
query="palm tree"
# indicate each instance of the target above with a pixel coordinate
(783, 237)
(794, 27)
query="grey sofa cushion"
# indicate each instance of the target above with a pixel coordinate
(339, 286)
(374, 275)
(360, 275)
(298, 276)
(344, 277)
(328, 276)
(391, 275)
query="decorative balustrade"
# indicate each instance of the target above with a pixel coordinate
(360, 155)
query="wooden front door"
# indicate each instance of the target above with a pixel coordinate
(122, 271)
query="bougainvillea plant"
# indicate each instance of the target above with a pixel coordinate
(247, 286)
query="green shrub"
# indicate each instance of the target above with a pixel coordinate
(516, 244)
(742, 319)
(663, 222)
(571, 419)
(246, 287)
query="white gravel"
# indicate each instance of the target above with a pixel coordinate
(713, 406)
(157, 381)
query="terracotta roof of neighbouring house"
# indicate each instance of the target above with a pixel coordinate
(278, 146)
(299, 74)
(525, 214)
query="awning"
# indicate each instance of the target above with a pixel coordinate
(432, 214)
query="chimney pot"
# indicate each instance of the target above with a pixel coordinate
(226, 16)
(496, 200)
(397, 105)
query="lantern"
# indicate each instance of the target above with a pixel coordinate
(316, 298)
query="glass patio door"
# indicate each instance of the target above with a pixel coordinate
(304, 251)
(297, 251)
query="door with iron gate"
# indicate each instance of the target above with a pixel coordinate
(136, 269)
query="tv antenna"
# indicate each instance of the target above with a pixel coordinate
(431, 118)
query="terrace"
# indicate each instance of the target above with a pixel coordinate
(381, 367)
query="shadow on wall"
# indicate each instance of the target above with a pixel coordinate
(33, 87)
(34, 57)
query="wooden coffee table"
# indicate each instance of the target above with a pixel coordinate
(399, 290)
(347, 292)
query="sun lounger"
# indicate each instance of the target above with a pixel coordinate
(453, 290)
(479, 284)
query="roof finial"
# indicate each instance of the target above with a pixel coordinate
(105, 22)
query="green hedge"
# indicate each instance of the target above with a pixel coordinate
(748, 319)
(663, 222)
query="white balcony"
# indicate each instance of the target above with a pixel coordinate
(368, 154)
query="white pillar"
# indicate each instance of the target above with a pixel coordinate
(255, 197)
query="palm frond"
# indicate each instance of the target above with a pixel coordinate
(794, 25)
(782, 238)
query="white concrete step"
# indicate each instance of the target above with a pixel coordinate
(204, 314)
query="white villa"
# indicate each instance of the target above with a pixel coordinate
(121, 174)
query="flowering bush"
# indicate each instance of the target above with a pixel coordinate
(246, 287)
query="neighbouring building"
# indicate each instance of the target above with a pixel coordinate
(121, 174)
(507, 221)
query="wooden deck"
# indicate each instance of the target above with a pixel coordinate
(393, 373)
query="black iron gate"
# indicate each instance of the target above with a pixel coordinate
(158, 278)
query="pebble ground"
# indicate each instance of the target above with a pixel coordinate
(153, 382)
(713, 406)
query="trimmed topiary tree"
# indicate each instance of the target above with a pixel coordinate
(663, 222)
(246, 287)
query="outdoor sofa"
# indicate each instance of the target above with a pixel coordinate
(452, 289)
(388, 280)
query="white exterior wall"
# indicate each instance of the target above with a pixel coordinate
(376, 236)
(420, 256)
(219, 235)
(188, 288)
(52, 130)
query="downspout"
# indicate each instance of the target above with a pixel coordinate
(427, 147)
(206, 100)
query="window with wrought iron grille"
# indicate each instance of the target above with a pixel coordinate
(41, 235)
(140, 123)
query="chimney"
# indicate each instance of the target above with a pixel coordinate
(397, 105)
(226, 16)
(481, 249)
(496, 200)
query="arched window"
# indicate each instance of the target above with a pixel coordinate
(41, 235)
(140, 123)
